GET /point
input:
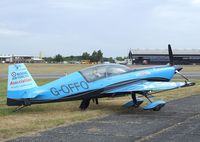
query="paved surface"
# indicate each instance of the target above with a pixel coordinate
(190, 75)
(178, 121)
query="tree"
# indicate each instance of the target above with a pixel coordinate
(58, 58)
(93, 57)
(48, 59)
(111, 60)
(119, 58)
(71, 58)
(99, 56)
(85, 56)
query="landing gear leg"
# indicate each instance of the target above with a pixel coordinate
(136, 102)
(95, 100)
(133, 95)
(146, 94)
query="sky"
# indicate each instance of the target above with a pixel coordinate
(71, 27)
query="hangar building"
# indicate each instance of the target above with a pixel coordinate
(20, 59)
(160, 56)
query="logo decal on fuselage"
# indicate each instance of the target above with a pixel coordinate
(13, 74)
(19, 78)
(70, 88)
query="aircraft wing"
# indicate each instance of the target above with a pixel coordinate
(149, 86)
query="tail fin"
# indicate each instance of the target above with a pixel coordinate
(19, 81)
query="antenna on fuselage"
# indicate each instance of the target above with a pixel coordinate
(171, 56)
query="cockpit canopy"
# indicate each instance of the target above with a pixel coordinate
(102, 71)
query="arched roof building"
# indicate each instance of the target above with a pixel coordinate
(160, 56)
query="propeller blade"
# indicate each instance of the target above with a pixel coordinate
(171, 57)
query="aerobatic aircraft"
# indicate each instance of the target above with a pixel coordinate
(105, 80)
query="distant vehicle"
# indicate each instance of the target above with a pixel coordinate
(74, 62)
(124, 62)
(65, 62)
(106, 80)
(106, 62)
(85, 61)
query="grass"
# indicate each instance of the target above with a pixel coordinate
(191, 68)
(48, 68)
(68, 68)
(40, 117)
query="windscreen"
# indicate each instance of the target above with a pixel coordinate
(102, 71)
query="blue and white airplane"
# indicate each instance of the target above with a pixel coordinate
(106, 80)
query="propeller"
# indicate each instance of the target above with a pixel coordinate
(171, 62)
(171, 57)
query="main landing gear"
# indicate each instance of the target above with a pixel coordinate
(153, 105)
(86, 102)
(95, 100)
(136, 102)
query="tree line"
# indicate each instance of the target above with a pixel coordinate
(96, 56)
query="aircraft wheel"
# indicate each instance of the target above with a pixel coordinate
(84, 104)
(158, 107)
(138, 104)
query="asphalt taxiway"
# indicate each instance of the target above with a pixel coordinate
(177, 121)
